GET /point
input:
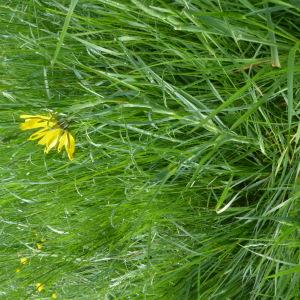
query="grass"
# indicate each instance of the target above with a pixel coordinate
(185, 182)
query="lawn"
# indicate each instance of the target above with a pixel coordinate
(185, 180)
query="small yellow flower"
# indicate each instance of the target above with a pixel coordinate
(24, 260)
(54, 296)
(50, 134)
(18, 270)
(39, 246)
(40, 287)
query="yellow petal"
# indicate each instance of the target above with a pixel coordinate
(33, 123)
(37, 135)
(62, 141)
(23, 260)
(48, 136)
(50, 139)
(70, 146)
(37, 121)
(40, 287)
(55, 140)
(39, 246)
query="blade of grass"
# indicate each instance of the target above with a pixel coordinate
(64, 30)
(290, 82)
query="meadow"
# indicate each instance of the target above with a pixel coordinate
(185, 179)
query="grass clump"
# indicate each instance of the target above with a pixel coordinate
(185, 181)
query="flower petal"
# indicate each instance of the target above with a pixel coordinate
(40, 287)
(55, 140)
(70, 146)
(48, 136)
(50, 139)
(63, 140)
(33, 123)
(39, 134)
(38, 121)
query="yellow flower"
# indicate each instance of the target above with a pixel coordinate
(39, 246)
(50, 134)
(40, 287)
(18, 270)
(24, 260)
(54, 296)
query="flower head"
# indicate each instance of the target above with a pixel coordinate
(40, 287)
(51, 133)
(24, 260)
(39, 246)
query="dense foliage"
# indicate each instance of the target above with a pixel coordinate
(185, 180)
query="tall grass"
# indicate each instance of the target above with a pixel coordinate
(185, 178)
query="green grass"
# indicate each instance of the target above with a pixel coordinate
(185, 182)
